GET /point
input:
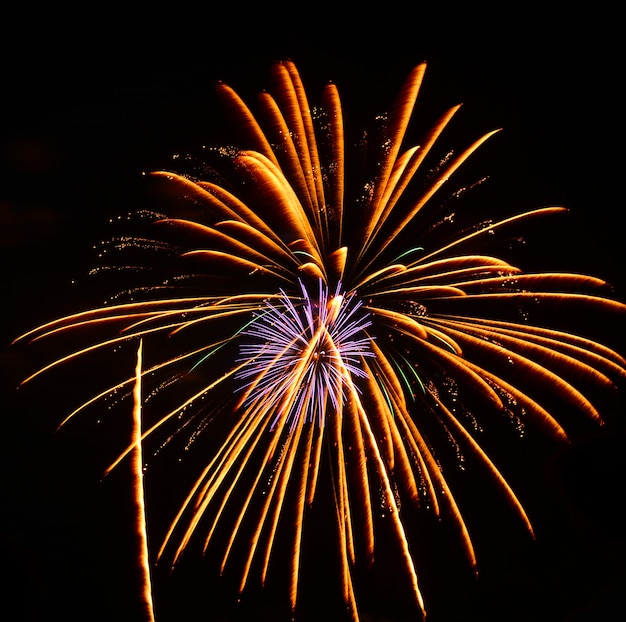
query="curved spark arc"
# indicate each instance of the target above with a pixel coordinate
(333, 358)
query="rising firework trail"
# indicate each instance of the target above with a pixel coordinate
(323, 334)
(139, 498)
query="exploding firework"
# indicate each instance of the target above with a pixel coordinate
(323, 335)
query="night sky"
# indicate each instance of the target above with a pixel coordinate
(91, 101)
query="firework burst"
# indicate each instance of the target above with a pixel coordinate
(325, 338)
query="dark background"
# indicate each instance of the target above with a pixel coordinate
(93, 99)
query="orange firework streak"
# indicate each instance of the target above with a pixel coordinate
(140, 507)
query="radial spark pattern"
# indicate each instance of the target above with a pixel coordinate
(301, 357)
(336, 337)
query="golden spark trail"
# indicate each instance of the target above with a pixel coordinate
(137, 468)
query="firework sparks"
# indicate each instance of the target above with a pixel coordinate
(144, 558)
(325, 326)
(310, 351)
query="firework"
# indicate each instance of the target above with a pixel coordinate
(140, 521)
(321, 340)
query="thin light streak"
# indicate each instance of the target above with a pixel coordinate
(139, 496)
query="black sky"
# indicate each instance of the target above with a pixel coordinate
(93, 99)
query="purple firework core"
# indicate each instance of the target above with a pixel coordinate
(302, 352)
